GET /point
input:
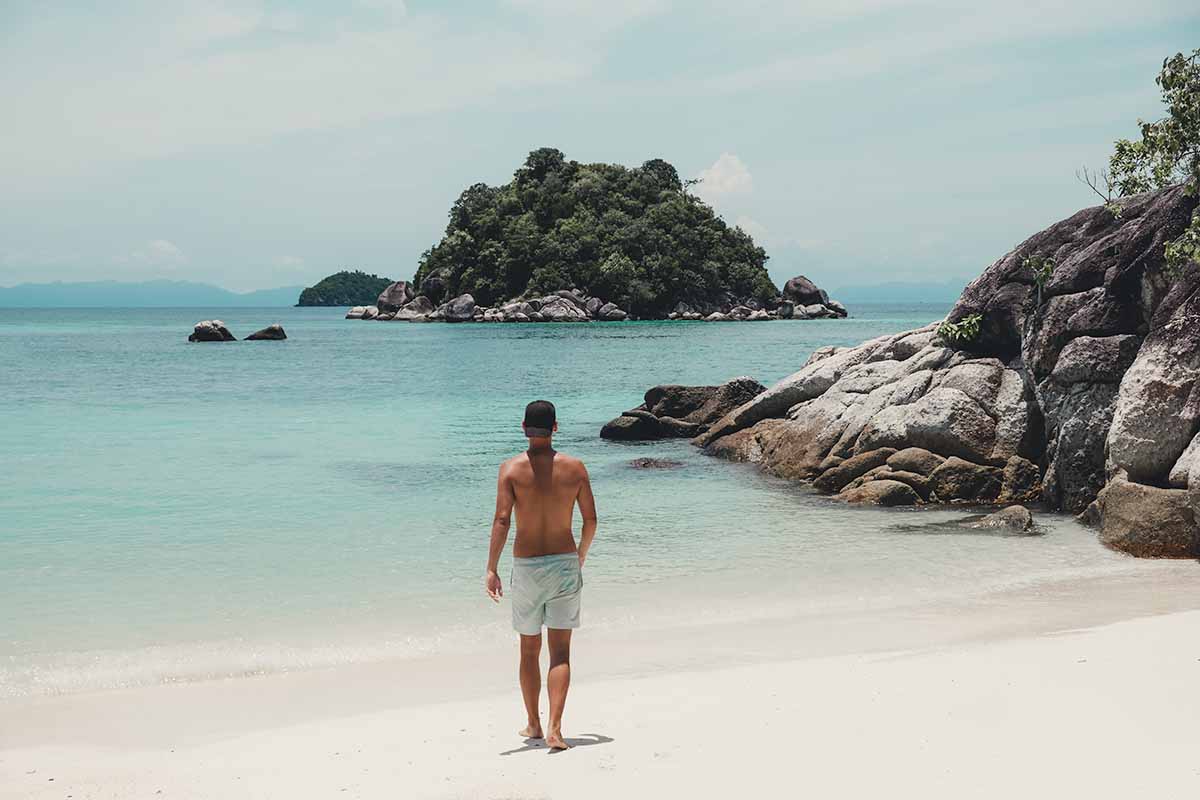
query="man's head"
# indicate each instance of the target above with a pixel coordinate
(540, 421)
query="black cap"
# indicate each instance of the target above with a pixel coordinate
(539, 419)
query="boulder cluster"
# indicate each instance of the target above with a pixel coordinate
(399, 303)
(801, 299)
(1067, 373)
(402, 302)
(214, 330)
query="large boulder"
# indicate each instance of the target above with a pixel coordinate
(417, 308)
(958, 480)
(270, 333)
(882, 492)
(1148, 521)
(1158, 407)
(211, 330)
(559, 309)
(610, 313)
(395, 296)
(915, 459)
(460, 309)
(836, 478)
(632, 426)
(801, 291)
(356, 312)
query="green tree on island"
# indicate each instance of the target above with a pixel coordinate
(1168, 151)
(633, 236)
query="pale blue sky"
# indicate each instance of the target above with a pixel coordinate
(260, 144)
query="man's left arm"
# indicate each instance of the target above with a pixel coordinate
(587, 510)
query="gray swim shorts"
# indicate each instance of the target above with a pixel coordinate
(545, 590)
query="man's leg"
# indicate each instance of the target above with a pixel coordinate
(558, 680)
(531, 683)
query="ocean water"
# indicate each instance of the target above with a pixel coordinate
(173, 511)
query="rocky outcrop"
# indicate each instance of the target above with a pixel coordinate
(211, 330)
(674, 411)
(270, 333)
(1083, 382)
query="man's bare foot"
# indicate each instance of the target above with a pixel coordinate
(555, 741)
(531, 732)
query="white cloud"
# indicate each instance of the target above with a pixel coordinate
(159, 253)
(211, 82)
(728, 175)
(756, 229)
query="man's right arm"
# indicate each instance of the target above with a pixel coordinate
(501, 521)
(587, 510)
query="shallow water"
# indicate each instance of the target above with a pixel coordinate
(172, 511)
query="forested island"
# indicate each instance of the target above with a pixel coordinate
(565, 241)
(345, 288)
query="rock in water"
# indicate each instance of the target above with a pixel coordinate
(1014, 518)
(211, 330)
(356, 312)
(632, 426)
(271, 332)
(678, 411)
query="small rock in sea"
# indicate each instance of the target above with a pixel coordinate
(211, 330)
(655, 463)
(270, 333)
(1013, 518)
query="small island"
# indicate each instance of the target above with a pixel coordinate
(345, 288)
(570, 242)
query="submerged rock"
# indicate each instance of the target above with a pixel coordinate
(655, 463)
(1013, 518)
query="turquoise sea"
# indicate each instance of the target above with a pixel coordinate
(173, 511)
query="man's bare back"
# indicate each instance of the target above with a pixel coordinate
(545, 486)
(542, 486)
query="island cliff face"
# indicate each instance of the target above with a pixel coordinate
(1069, 372)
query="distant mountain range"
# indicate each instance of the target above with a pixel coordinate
(900, 292)
(146, 294)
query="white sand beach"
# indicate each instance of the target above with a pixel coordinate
(1071, 689)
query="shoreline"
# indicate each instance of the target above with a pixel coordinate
(641, 688)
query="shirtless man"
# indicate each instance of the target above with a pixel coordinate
(547, 574)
